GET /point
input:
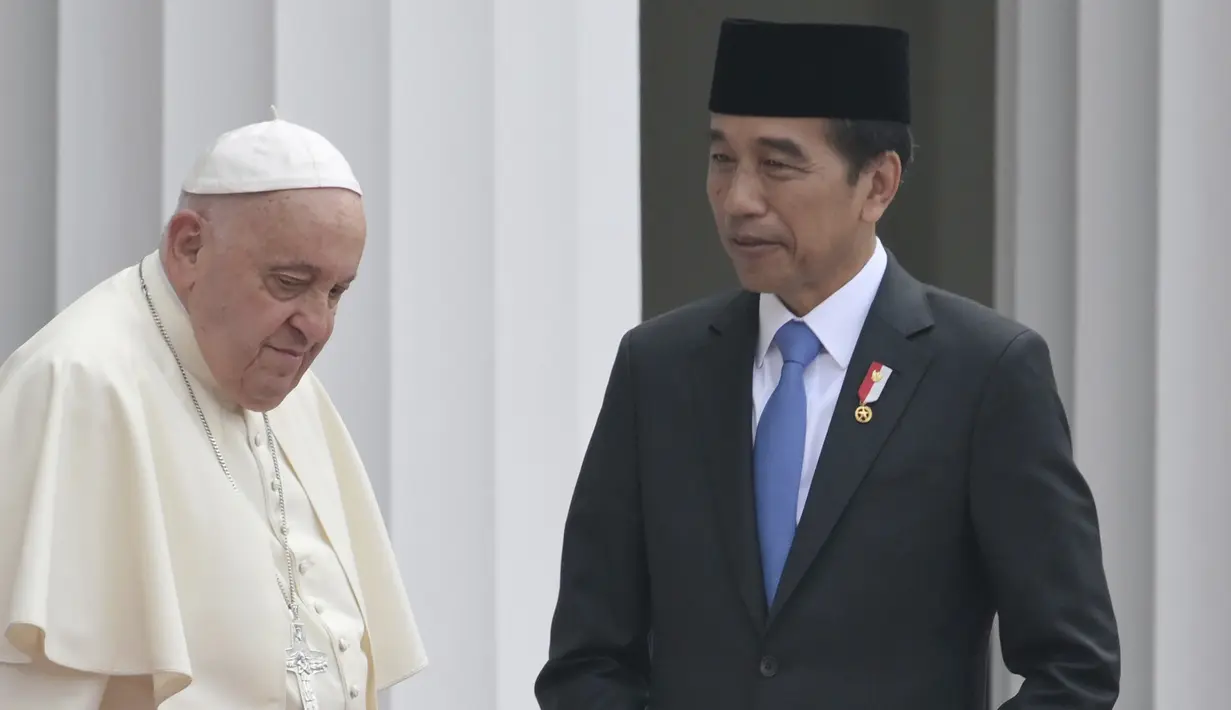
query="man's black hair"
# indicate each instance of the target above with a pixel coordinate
(861, 142)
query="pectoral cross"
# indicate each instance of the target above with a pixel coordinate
(304, 663)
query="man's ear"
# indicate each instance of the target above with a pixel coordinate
(884, 178)
(184, 236)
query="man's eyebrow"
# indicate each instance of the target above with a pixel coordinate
(302, 266)
(310, 270)
(786, 146)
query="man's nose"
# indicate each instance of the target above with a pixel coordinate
(314, 320)
(744, 196)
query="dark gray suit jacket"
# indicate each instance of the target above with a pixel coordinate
(958, 500)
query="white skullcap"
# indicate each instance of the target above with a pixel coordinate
(267, 156)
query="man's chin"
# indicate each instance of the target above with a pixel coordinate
(268, 395)
(263, 403)
(757, 281)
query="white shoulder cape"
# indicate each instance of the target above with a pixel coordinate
(124, 551)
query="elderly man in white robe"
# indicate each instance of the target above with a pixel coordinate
(184, 520)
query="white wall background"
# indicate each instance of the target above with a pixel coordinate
(497, 142)
(1112, 186)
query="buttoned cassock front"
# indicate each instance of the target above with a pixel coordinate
(329, 609)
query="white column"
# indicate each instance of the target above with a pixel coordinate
(608, 230)
(498, 144)
(567, 266)
(1192, 588)
(516, 261)
(1035, 184)
(217, 73)
(109, 146)
(1142, 319)
(28, 32)
(442, 330)
(1114, 404)
(1035, 190)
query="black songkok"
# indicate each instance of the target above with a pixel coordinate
(858, 72)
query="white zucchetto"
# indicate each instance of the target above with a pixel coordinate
(267, 156)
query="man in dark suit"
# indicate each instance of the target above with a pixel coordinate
(817, 492)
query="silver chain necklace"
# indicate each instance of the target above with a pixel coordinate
(301, 660)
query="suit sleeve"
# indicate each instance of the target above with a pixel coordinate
(598, 657)
(1037, 529)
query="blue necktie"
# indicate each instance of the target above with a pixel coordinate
(778, 453)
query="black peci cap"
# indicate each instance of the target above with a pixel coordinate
(793, 70)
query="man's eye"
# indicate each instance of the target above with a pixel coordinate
(288, 282)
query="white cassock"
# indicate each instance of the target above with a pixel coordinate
(133, 575)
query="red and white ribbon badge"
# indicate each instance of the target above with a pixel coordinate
(874, 382)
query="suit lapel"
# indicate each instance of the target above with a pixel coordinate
(898, 313)
(722, 395)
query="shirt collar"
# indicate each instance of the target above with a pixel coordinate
(175, 320)
(837, 321)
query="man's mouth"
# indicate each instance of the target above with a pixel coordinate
(747, 242)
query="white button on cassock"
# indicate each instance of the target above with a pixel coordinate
(325, 591)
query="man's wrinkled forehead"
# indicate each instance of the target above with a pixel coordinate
(317, 231)
(297, 209)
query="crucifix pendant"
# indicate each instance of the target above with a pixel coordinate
(304, 663)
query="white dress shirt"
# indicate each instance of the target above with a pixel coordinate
(837, 323)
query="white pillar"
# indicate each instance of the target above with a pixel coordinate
(217, 73)
(498, 144)
(1133, 299)
(1192, 586)
(567, 262)
(1115, 371)
(442, 330)
(1035, 190)
(28, 32)
(1035, 187)
(109, 147)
